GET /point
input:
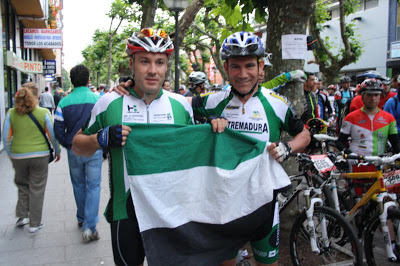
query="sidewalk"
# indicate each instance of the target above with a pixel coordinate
(60, 240)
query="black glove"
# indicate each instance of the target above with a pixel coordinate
(110, 137)
(284, 150)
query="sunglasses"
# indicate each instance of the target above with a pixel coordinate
(149, 32)
(238, 50)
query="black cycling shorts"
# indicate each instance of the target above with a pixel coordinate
(126, 242)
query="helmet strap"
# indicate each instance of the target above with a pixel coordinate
(242, 95)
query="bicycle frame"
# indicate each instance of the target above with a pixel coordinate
(377, 187)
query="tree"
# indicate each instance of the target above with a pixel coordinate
(329, 63)
(120, 11)
(66, 82)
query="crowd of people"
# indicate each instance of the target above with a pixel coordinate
(90, 122)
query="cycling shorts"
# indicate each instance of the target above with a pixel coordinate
(266, 249)
(127, 242)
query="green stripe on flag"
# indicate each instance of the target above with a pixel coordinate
(186, 147)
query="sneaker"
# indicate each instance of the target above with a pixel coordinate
(22, 221)
(88, 235)
(80, 224)
(35, 229)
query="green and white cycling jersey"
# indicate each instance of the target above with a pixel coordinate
(263, 116)
(112, 109)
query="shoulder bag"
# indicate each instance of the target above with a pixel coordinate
(51, 158)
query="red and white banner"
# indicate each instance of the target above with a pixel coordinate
(43, 38)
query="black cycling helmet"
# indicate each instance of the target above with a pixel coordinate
(242, 44)
(197, 77)
(371, 86)
(344, 79)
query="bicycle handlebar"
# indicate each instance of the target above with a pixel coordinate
(371, 159)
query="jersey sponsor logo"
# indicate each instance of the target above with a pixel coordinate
(272, 254)
(132, 108)
(232, 107)
(381, 120)
(159, 118)
(380, 135)
(362, 121)
(260, 253)
(256, 115)
(246, 126)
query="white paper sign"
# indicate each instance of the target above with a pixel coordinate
(294, 46)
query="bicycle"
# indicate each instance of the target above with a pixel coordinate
(326, 233)
(375, 225)
(319, 229)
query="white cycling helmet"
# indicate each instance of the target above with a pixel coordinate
(197, 77)
(242, 44)
(151, 41)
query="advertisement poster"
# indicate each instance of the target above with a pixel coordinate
(43, 38)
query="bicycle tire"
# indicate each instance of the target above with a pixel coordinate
(373, 240)
(344, 245)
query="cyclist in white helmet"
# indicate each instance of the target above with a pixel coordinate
(197, 83)
(259, 113)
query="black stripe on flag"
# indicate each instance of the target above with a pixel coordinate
(205, 244)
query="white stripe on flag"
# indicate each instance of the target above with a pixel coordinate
(205, 194)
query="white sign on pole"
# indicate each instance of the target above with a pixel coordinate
(294, 46)
(43, 38)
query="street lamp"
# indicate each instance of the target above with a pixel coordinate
(176, 6)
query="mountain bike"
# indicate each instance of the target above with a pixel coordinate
(377, 210)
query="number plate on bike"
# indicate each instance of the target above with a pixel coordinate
(322, 163)
(392, 179)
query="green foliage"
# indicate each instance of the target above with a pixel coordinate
(66, 82)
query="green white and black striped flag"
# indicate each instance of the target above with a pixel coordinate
(199, 196)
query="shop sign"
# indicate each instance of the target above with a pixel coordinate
(24, 66)
(43, 38)
(49, 67)
(394, 49)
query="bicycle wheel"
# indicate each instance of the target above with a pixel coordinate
(342, 245)
(374, 246)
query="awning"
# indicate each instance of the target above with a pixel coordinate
(29, 8)
(47, 54)
(34, 23)
(393, 63)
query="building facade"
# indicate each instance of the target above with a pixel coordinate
(378, 24)
(21, 64)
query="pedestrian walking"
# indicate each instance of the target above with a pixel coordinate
(71, 115)
(47, 100)
(28, 129)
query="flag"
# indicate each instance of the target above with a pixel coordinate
(199, 196)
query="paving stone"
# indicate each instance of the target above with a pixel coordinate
(37, 256)
(88, 250)
(60, 241)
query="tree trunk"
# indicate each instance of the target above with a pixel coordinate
(188, 17)
(149, 12)
(287, 17)
(109, 60)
